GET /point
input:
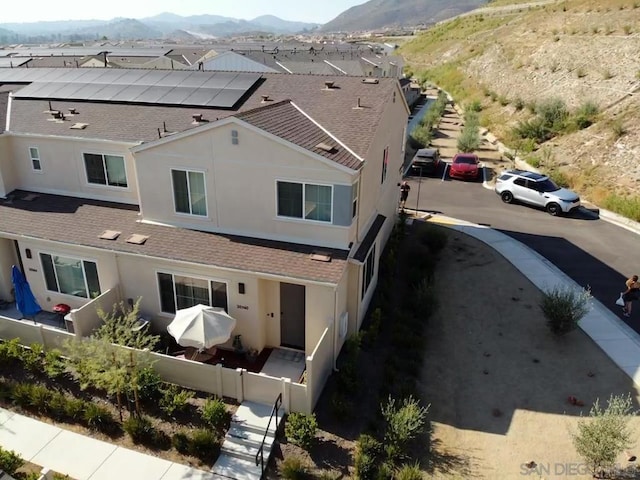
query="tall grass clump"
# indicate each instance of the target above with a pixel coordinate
(564, 307)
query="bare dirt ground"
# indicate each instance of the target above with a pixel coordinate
(498, 381)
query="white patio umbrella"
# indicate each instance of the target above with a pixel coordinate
(201, 326)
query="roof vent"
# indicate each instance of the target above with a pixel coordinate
(371, 81)
(328, 85)
(73, 111)
(358, 105)
(265, 98)
(327, 148)
(109, 235)
(137, 239)
(321, 257)
(79, 126)
(198, 118)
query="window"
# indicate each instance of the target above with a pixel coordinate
(234, 137)
(34, 154)
(385, 161)
(105, 169)
(189, 192)
(305, 200)
(367, 271)
(178, 292)
(70, 276)
(354, 199)
(521, 182)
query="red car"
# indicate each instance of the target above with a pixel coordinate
(465, 166)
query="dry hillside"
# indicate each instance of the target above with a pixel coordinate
(512, 55)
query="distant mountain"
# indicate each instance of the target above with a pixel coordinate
(377, 14)
(124, 29)
(163, 25)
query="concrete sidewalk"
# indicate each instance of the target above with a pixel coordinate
(85, 458)
(607, 330)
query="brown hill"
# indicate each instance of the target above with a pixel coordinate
(511, 58)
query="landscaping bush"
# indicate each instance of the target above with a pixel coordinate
(10, 461)
(553, 113)
(474, 106)
(32, 358)
(421, 137)
(214, 413)
(54, 364)
(534, 129)
(140, 429)
(39, 398)
(74, 409)
(469, 139)
(564, 307)
(97, 417)
(300, 429)
(367, 457)
(404, 421)
(203, 444)
(347, 379)
(149, 385)
(181, 442)
(21, 394)
(586, 115)
(57, 405)
(175, 399)
(10, 350)
(293, 468)
(409, 472)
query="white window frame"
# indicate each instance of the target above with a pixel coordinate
(104, 166)
(173, 193)
(35, 159)
(304, 193)
(188, 275)
(84, 274)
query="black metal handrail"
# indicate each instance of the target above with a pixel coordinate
(274, 411)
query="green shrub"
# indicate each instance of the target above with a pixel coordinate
(564, 307)
(97, 417)
(617, 128)
(553, 113)
(39, 398)
(474, 106)
(21, 394)
(586, 115)
(558, 177)
(421, 136)
(347, 379)
(32, 358)
(341, 406)
(533, 128)
(74, 408)
(367, 457)
(149, 385)
(181, 442)
(534, 161)
(503, 100)
(203, 444)
(409, 472)
(404, 421)
(433, 237)
(54, 364)
(518, 103)
(469, 140)
(293, 468)
(300, 429)
(57, 405)
(140, 429)
(214, 413)
(626, 206)
(175, 399)
(10, 461)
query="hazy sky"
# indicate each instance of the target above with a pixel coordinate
(300, 10)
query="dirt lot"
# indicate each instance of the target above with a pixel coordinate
(498, 381)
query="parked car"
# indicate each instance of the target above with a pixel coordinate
(536, 189)
(465, 166)
(425, 162)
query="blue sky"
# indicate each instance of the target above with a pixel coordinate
(300, 10)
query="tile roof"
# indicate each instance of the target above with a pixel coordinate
(284, 120)
(332, 109)
(78, 221)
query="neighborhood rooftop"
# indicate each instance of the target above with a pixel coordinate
(348, 108)
(78, 221)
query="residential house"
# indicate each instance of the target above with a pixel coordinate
(270, 195)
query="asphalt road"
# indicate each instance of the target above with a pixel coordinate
(591, 251)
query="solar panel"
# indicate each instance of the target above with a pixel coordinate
(153, 94)
(33, 89)
(66, 90)
(244, 81)
(86, 92)
(195, 79)
(201, 97)
(226, 98)
(220, 80)
(177, 95)
(152, 77)
(73, 75)
(129, 93)
(108, 92)
(130, 77)
(48, 90)
(174, 79)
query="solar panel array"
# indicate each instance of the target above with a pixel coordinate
(6, 62)
(86, 51)
(165, 87)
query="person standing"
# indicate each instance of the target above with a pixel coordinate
(630, 294)
(404, 193)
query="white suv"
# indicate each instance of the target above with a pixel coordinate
(536, 189)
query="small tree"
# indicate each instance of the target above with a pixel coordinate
(121, 327)
(404, 421)
(469, 139)
(606, 434)
(564, 307)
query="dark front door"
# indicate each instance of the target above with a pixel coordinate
(292, 315)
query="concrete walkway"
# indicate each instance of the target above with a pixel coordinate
(85, 458)
(607, 330)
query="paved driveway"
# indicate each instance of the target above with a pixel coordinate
(591, 251)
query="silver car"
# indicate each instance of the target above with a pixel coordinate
(536, 189)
